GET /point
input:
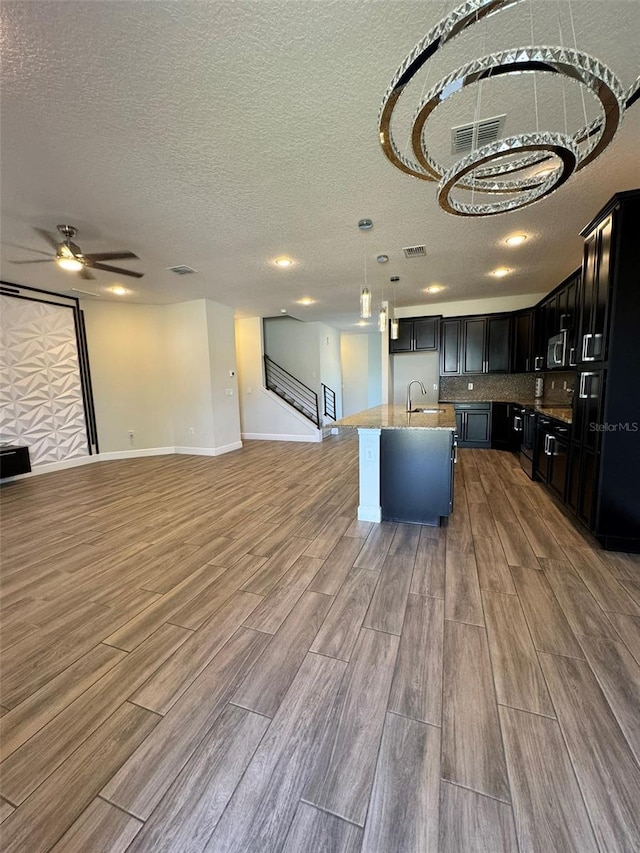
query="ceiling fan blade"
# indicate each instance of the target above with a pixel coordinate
(118, 270)
(37, 261)
(51, 240)
(28, 249)
(110, 256)
(86, 274)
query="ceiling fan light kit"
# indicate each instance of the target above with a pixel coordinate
(70, 257)
(494, 168)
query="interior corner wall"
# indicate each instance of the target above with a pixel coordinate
(330, 362)
(263, 415)
(126, 345)
(188, 373)
(224, 386)
(293, 345)
(361, 372)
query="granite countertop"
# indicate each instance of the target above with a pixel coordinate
(560, 413)
(396, 417)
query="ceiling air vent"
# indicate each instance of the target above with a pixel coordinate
(468, 137)
(182, 269)
(415, 252)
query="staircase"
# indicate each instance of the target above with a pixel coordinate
(291, 390)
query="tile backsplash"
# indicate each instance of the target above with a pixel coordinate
(494, 386)
(558, 395)
(512, 387)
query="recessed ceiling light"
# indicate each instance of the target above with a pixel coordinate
(515, 239)
(434, 288)
(283, 310)
(306, 300)
(283, 262)
(362, 323)
(500, 272)
(119, 290)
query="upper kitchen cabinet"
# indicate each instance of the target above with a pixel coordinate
(596, 279)
(416, 334)
(523, 341)
(476, 345)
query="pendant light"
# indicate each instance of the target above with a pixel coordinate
(382, 319)
(365, 303)
(394, 325)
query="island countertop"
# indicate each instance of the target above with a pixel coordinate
(396, 417)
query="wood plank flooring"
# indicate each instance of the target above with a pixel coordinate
(213, 654)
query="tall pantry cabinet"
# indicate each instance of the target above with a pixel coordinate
(604, 476)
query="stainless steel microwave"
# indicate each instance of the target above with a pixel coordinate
(557, 351)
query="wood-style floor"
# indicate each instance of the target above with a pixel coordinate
(213, 654)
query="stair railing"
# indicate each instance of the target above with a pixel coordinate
(298, 395)
(328, 402)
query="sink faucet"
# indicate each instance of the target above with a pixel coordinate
(422, 388)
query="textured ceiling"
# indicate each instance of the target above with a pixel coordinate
(224, 134)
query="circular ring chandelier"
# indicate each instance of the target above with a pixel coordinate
(494, 168)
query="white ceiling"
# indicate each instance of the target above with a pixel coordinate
(224, 133)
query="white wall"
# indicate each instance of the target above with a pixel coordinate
(127, 354)
(262, 414)
(424, 366)
(330, 366)
(293, 344)
(490, 305)
(161, 371)
(188, 374)
(361, 372)
(222, 362)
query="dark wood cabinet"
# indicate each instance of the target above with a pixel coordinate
(474, 331)
(14, 460)
(523, 341)
(551, 463)
(416, 334)
(473, 424)
(594, 314)
(476, 345)
(502, 434)
(450, 340)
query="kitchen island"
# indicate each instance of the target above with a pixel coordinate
(405, 463)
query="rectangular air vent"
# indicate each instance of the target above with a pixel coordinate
(415, 252)
(468, 137)
(182, 269)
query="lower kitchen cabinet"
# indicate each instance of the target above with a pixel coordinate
(502, 432)
(473, 424)
(552, 454)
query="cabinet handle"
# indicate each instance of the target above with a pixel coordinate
(517, 423)
(585, 348)
(572, 357)
(526, 369)
(582, 392)
(455, 451)
(551, 439)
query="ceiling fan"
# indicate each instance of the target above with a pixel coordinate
(70, 257)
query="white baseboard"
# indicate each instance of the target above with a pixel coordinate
(265, 436)
(132, 454)
(113, 455)
(209, 451)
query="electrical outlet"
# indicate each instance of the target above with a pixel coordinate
(469, 386)
(228, 392)
(192, 431)
(553, 384)
(435, 386)
(131, 433)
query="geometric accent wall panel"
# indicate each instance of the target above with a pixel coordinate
(41, 401)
